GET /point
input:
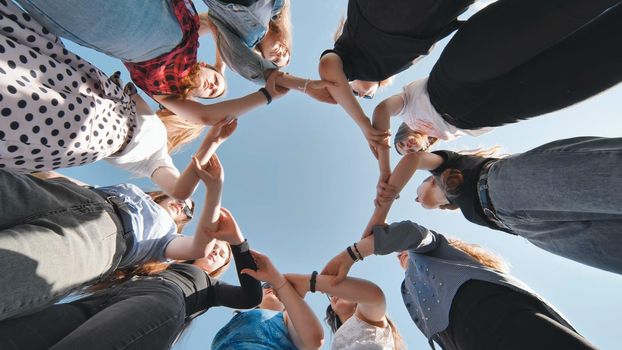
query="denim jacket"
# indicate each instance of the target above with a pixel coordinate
(435, 272)
(240, 29)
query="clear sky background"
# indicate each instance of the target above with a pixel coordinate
(300, 181)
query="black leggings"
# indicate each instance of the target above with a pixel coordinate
(517, 59)
(487, 316)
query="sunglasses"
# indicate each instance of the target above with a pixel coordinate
(188, 209)
(367, 97)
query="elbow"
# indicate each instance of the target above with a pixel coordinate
(254, 297)
(328, 66)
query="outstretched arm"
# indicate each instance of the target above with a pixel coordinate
(382, 121)
(402, 173)
(303, 326)
(182, 186)
(199, 113)
(371, 302)
(317, 89)
(195, 247)
(331, 69)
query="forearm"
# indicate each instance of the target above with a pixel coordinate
(188, 180)
(199, 113)
(308, 329)
(249, 293)
(331, 69)
(292, 82)
(382, 121)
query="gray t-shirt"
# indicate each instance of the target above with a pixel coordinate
(152, 227)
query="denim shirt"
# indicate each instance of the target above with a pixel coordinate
(152, 227)
(435, 272)
(240, 29)
(256, 329)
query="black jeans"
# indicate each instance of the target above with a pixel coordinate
(517, 59)
(488, 316)
(143, 313)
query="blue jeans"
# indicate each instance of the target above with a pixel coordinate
(565, 197)
(55, 236)
(142, 313)
(130, 30)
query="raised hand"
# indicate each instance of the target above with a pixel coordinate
(377, 139)
(212, 174)
(266, 271)
(221, 131)
(385, 193)
(228, 229)
(339, 266)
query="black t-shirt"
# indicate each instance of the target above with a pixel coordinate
(467, 197)
(202, 291)
(382, 38)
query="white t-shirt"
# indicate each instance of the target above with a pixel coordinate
(147, 150)
(420, 115)
(360, 335)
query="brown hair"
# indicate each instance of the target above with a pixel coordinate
(151, 268)
(334, 322)
(451, 180)
(189, 81)
(159, 196)
(338, 31)
(481, 255)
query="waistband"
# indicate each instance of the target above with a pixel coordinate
(484, 198)
(120, 209)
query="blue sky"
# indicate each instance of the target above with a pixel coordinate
(300, 180)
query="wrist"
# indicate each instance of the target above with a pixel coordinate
(266, 94)
(236, 240)
(277, 281)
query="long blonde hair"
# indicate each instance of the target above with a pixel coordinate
(178, 130)
(481, 255)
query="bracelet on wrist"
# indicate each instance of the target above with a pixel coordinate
(304, 89)
(265, 92)
(351, 253)
(312, 281)
(276, 289)
(356, 249)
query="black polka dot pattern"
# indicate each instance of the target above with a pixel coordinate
(56, 109)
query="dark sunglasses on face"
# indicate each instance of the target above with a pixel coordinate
(367, 97)
(266, 285)
(188, 211)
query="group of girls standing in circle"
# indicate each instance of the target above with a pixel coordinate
(141, 282)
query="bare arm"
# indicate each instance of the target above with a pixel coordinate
(187, 248)
(196, 112)
(317, 89)
(382, 121)
(182, 186)
(331, 69)
(371, 302)
(402, 173)
(303, 326)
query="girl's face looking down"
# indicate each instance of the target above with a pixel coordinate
(209, 83)
(412, 141)
(364, 89)
(342, 306)
(270, 301)
(273, 49)
(178, 210)
(215, 258)
(430, 195)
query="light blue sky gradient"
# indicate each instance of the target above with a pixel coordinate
(300, 180)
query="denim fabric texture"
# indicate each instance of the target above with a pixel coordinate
(565, 198)
(254, 329)
(240, 29)
(142, 313)
(55, 236)
(133, 31)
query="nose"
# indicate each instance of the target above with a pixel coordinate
(417, 200)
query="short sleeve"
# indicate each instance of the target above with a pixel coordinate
(399, 236)
(449, 158)
(156, 253)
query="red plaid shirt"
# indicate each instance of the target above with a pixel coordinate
(162, 75)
